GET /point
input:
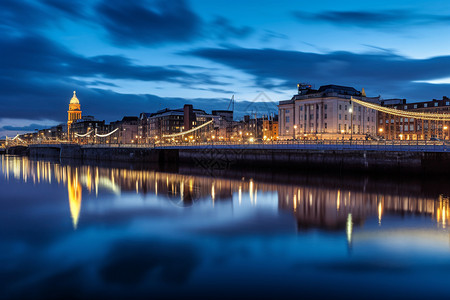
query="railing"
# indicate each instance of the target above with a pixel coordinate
(413, 146)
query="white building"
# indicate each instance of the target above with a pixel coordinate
(326, 113)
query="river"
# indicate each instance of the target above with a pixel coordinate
(78, 231)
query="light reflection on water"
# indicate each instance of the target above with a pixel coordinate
(145, 230)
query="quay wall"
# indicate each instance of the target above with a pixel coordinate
(105, 153)
(223, 158)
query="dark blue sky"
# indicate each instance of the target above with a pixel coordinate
(126, 57)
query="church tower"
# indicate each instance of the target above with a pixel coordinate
(74, 113)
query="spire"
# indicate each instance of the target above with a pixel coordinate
(363, 92)
(74, 99)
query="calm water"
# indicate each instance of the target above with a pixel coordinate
(79, 231)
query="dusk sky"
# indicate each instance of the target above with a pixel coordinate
(127, 57)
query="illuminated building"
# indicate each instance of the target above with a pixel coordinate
(74, 113)
(326, 113)
(396, 127)
(171, 121)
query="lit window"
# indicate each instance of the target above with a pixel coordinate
(425, 105)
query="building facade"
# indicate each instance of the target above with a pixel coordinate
(327, 113)
(171, 121)
(393, 127)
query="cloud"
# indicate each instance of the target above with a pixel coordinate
(37, 84)
(29, 128)
(385, 73)
(148, 22)
(222, 29)
(372, 19)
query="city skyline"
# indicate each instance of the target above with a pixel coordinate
(123, 59)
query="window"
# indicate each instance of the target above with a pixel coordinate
(287, 119)
(415, 105)
(301, 108)
(346, 107)
(340, 117)
(325, 107)
(381, 121)
(325, 124)
(359, 108)
(340, 106)
(339, 127)
(325, 116)
(345, 117)
(425, 105)
(311, 116)
(405, 107)
(405, 127)
(447, 103)
(287, 111)
(436, 104)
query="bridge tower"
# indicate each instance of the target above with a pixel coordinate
(74, 113)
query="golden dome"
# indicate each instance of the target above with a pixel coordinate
(74, 99)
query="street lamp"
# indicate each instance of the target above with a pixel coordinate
(295, 127)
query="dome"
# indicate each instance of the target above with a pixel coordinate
(74, 99)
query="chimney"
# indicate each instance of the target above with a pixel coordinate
(189, 116)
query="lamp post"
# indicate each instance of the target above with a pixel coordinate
(295, 127)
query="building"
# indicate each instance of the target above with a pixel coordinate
(84, 130)
(127, 132)
(393, 127)
(74, 114)
(270, 129)
(326, 113)
(172, 121)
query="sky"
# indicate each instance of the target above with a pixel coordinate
(127, 57)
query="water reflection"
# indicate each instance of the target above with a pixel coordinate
(313, 205)
(159, 234)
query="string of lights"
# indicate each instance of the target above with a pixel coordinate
(107, 134)
(83, 135)
(188, 131)
(402, 113)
